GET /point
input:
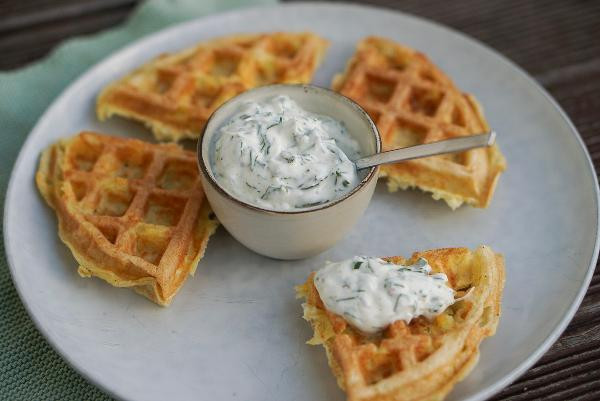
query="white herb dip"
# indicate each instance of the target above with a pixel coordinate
(278, 156)
(371, 293)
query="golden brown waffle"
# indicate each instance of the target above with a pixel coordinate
(424, 359)
(132, 213)
(413, 102)
(176, 93)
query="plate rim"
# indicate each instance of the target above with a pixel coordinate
(140, 42)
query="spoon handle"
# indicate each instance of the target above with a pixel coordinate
(429, 149)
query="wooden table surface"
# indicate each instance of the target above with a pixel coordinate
(557, 42)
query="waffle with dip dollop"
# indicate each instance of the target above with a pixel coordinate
(132, 213)
(421, 360)
(175, 94)
(413, 102)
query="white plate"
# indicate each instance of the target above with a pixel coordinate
(234, 331)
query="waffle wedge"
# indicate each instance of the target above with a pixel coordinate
(176, 93)
(132, 213)
(414, 102)
(424, 359)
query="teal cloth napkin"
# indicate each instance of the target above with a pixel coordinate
(29, 368)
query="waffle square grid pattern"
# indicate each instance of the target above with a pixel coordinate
(421, 360)
(145, 201)
(413, 102)
(175, 94)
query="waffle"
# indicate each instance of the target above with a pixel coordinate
(176, 93)
(413, 102)
(424, 359)
(132, 213)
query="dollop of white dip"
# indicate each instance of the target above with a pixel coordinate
(371, 293)
(278, 156)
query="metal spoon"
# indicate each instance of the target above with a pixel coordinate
(428, 149)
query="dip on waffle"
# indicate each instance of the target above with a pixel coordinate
(423, 359)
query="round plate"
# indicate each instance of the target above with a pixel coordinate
(235, 330)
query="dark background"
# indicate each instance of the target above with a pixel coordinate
(557, 42)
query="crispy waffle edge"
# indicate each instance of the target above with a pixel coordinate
(324, 333)
(105, 108)
(146, 286)
(398, 179)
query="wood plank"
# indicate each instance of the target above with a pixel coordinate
(23, 15)
(538, 35)
(23, 46)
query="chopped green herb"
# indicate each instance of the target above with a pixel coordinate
(397, 302)
(337, 175)
(275, 124)
(345, 299)
(315, 184)
(253, 187)
(312, 204)
(266, 194)
(269, 190)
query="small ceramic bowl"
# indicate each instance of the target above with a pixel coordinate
(304, 232)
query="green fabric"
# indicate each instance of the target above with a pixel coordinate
(29, 368)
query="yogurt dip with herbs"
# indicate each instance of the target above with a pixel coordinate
(371, 293)
(278, 156)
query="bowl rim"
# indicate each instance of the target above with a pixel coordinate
(307, 87)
